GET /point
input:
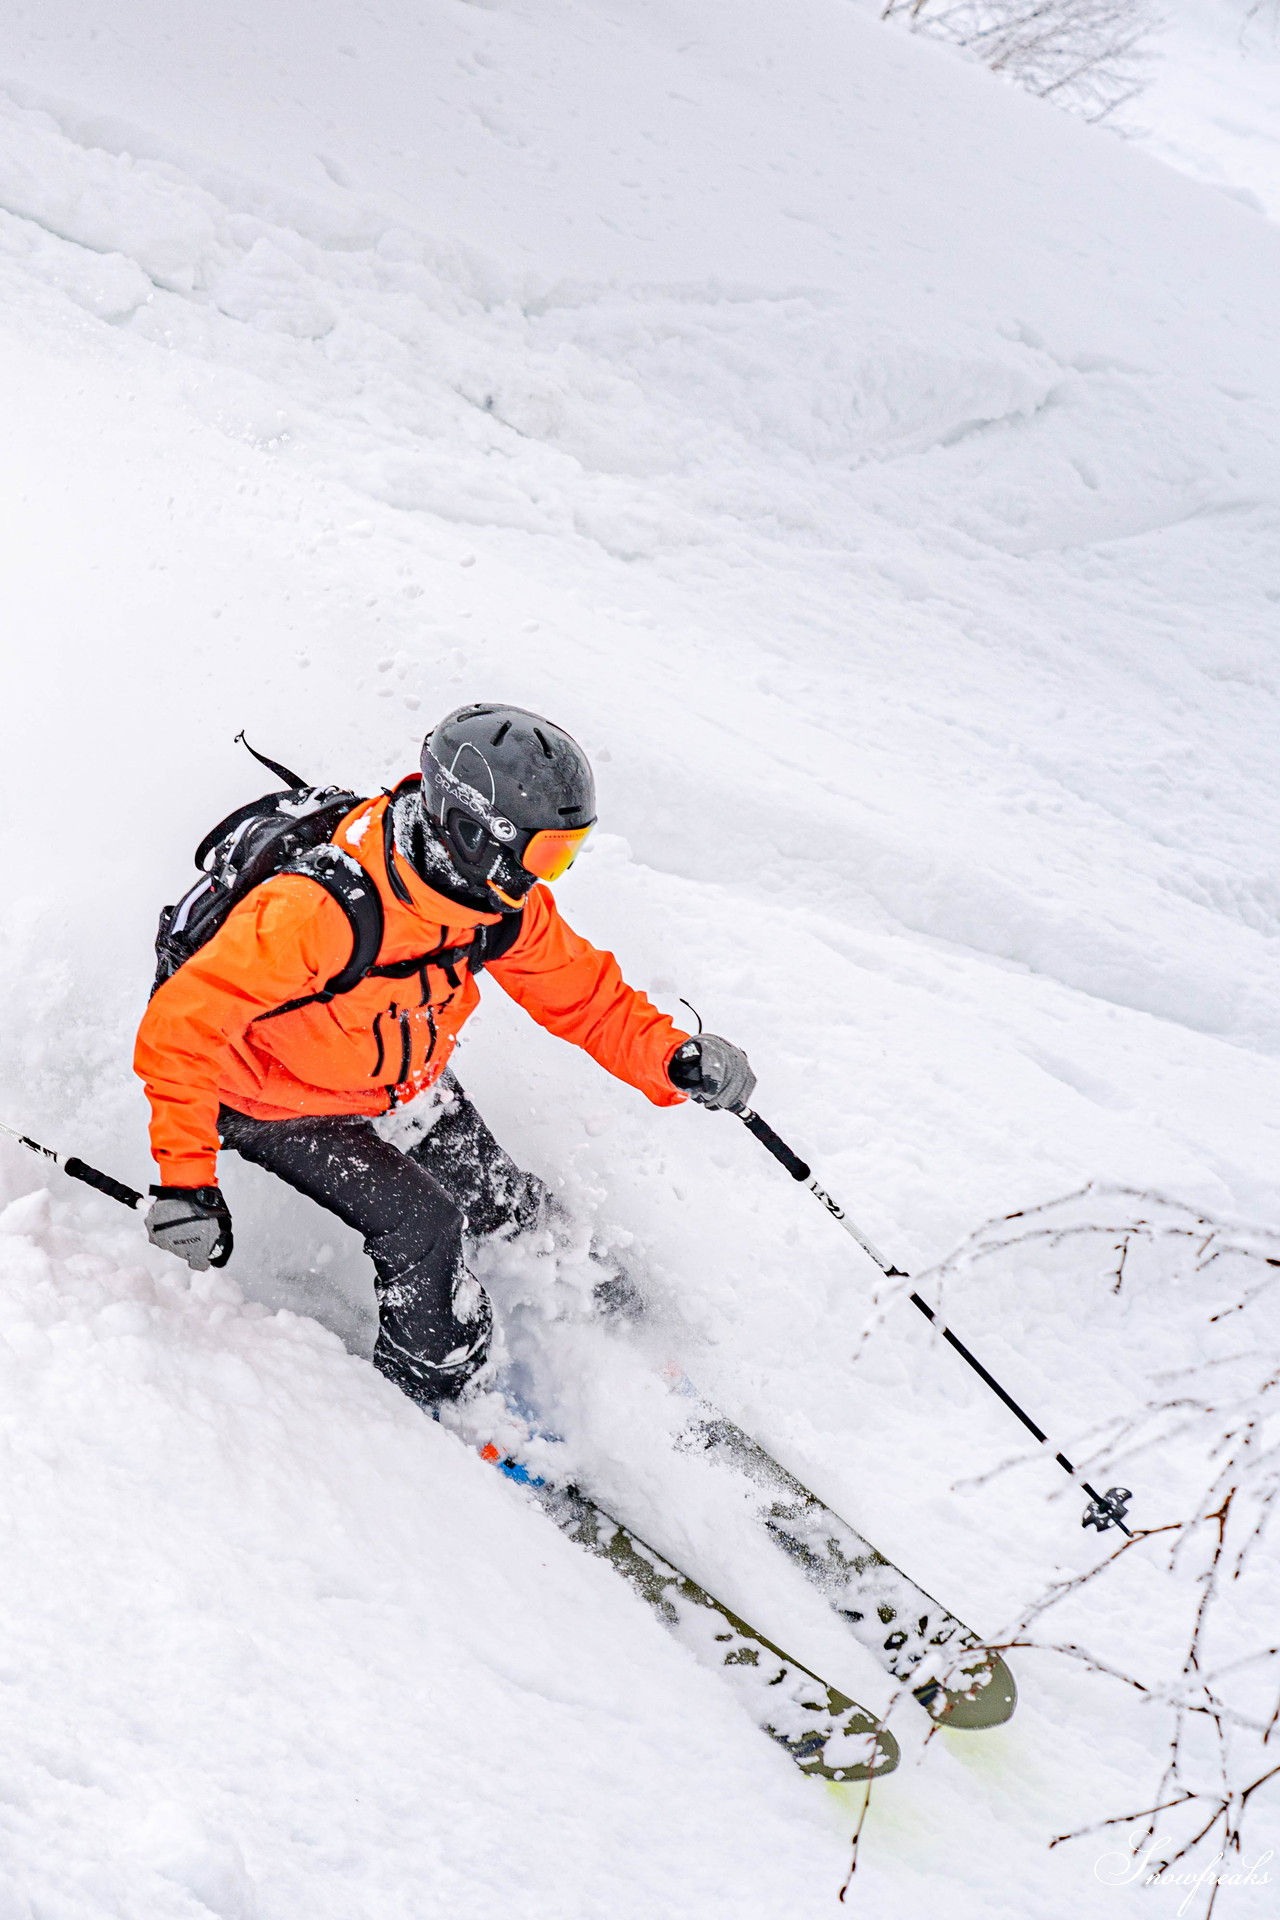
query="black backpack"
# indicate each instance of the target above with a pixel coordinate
(290, 832)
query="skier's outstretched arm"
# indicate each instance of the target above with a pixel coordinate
(577, 991)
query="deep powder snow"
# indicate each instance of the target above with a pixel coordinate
(877, 471)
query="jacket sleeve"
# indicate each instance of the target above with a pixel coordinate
(574, 990)
(284, 941)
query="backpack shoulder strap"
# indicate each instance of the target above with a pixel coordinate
(495, 939)
(345, 881)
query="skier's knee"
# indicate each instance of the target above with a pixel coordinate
(426, 1236)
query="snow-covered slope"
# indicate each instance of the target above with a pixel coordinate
(878, 472)
(1213, 104)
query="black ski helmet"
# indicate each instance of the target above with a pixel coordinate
(511, 794)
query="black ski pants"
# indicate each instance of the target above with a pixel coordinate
(411, 1206)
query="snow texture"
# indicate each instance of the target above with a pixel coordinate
(878, 472)
(1213, 108)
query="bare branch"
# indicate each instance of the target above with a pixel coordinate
(1082, 54)
(1212, 1425)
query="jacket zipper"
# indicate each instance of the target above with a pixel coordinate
(377, 1034)
(406, 1048)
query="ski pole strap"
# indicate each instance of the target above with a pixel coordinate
(781, 1152)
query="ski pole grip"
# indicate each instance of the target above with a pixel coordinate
(114, 1189)
(781, 1152)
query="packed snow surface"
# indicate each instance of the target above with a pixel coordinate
(878, 472)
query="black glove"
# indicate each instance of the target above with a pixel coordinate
(712, 1071)
(193, 1222)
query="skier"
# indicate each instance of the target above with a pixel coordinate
(243, 1047)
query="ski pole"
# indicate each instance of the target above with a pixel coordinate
(1105, 1509)
(81, 1170)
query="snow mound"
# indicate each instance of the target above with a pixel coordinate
(273, 1640)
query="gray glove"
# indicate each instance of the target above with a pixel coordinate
(712, 1071)
(193, 1222)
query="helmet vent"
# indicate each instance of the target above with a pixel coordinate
(562, 811)
(501, 734)
(542, 741)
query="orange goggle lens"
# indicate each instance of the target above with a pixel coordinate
(554, 850)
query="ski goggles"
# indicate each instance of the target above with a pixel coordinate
(552, 850)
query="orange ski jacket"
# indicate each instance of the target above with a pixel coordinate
(204, 1040)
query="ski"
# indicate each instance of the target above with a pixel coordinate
(824, 1731)
(896, 1620)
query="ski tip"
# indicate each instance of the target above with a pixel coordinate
(983, 1695)
(857, 1748)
